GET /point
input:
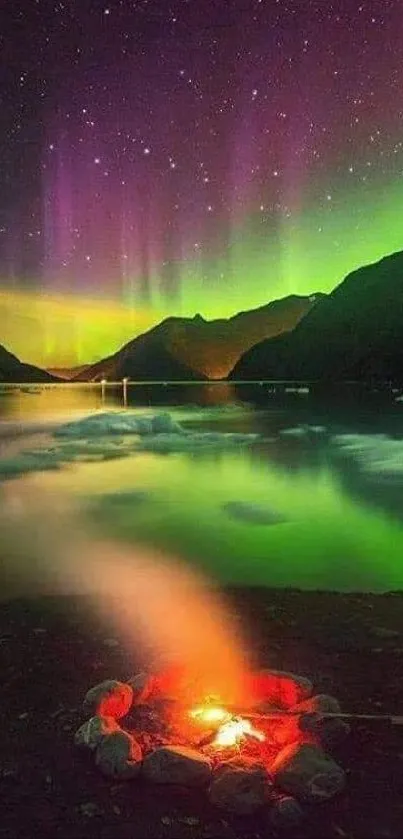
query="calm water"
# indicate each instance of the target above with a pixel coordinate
(291, 509)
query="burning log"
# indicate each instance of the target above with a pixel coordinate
(391, 719)
(226, 729)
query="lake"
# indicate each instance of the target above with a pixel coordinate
(312, 501)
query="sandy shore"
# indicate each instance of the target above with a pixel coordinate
(53, 649)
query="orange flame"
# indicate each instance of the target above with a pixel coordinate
(231, 733)
(230, 730)
(210, 714)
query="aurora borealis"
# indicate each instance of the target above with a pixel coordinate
(189, 156)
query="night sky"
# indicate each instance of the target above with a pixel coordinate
(182, 156)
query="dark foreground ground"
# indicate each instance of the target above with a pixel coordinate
(51, 653)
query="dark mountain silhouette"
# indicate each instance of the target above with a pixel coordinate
(144, 359)
(355, 333)
(194, 348)
(14, 370)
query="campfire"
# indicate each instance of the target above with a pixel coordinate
(276, 753)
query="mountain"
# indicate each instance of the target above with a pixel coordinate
(355, 333)
(194, 348)
(67, 373)
(13, 370)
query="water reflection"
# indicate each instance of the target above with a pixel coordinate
(47, 402)
(309, 525)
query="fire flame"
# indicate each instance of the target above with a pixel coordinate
(231, 730)
(207, 714)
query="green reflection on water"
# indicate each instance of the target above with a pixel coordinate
(330, 541)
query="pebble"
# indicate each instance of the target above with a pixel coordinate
(321, 703)
(118, 755)
(109, 699)
(177, 765)
(277, 687)
(308, 773)
(285, 814)
(289, 729)
(143, 685)
(240, 790)
(90, 734)
(329, 732)
(89, 809)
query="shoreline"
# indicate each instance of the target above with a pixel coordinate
(53, 649)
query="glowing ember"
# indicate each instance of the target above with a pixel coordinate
(209, 714)
(230, 730)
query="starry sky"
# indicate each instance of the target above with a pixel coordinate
(178, 156)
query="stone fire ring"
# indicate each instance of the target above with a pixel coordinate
(300, 771)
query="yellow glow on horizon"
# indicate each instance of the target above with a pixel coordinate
(66, 330)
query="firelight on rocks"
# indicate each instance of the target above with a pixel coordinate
(242, 769)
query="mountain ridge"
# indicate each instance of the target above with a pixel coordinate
(196, 348)
(353, 333)
(12, 370)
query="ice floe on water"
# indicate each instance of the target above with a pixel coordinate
(376, 455)
(193, 442)
(123, 500)
(158, 433)
(25, 462)
(88, 450)
(215, 413)
(120, 422)
(78, 447)
(118, 434)
(45, 460)
(253, 513)
(304, 431)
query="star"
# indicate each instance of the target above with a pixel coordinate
(250, 111)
